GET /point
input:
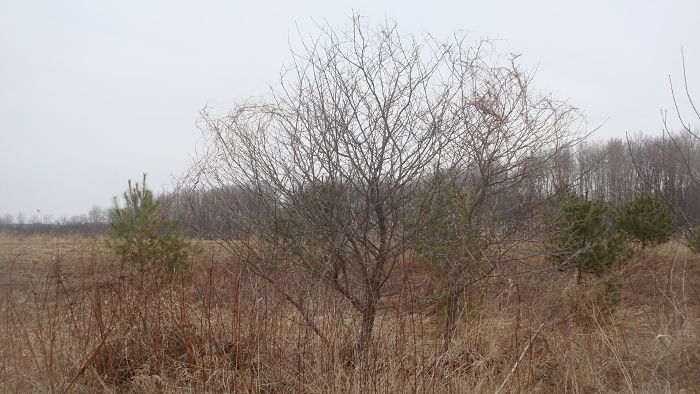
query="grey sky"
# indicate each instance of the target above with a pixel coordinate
(94, 93)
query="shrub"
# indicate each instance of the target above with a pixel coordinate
(582, 236)
(141, 235)
(645, 219)
(454, 241)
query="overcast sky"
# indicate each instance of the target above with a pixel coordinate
(93, 93)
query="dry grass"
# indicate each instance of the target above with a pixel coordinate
(73, 321)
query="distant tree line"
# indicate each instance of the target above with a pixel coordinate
(91, 224)
(610, 172)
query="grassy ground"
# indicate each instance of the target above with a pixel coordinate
(25, 261)
(73, 319)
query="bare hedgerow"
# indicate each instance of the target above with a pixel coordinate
(325, 179)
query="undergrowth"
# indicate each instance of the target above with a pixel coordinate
(223, 330)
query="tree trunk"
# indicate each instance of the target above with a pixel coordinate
(451, 316)
(368, 316)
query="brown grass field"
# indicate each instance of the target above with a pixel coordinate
(73, 321)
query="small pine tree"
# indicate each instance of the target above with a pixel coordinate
(453, 241)
(582, 239)
(141, 235)
(645, 219)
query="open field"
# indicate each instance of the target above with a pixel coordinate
(72, 320)
(26, 261)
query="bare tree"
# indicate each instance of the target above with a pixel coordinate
(335, 162)
(508, 137)
(685, 143)
(675, 172)
(96, 215)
